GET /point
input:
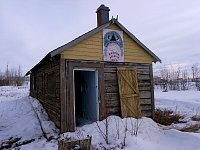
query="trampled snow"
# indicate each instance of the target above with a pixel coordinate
(23, 117)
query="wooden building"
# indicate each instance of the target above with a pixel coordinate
(106, 71)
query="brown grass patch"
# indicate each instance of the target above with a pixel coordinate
(167, 117)
(196, 118)
(191, 128)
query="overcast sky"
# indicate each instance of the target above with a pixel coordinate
(29, 29)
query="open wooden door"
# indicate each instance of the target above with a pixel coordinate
(128, 91)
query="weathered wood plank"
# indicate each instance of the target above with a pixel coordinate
(102, 90)
(113, 110)
(145, 94)
(109, 88)
(143, 77)
(146, 113)
(152, 92)
(145, 101)
(146, 107)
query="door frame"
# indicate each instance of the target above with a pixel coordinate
(96, 85)
(70, 105)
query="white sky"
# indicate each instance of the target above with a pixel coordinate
(29, 29)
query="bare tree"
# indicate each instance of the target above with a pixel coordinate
(19, 79)
(11, 76)
(195, 71)
(164, 78)
(184, 80)
(196, 75)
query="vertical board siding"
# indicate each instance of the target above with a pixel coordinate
(91, 49)
(112, 90)
(51, 103)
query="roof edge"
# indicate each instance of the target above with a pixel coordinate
(79, 39)
(41, 61)
(139, 43)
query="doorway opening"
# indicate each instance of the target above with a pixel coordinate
(86, 96)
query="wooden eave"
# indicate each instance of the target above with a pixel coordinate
(48, 56)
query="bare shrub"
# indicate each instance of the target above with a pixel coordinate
(191, 128)
(117, 127)
(195, 118)
(167, 117)
(134, 127)
(102, 132)
(125, 132)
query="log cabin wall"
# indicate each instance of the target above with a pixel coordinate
(45, 86)
(112, 99)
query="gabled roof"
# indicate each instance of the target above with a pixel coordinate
(92, 32)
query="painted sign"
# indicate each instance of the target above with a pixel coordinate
(113, 45)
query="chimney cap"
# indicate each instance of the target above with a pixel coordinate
(103, 7)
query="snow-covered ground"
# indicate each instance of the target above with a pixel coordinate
(22, 118)
(185, 102)
(19, 115)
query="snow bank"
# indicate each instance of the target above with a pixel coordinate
(17, 118)
(21, 116)
(149, 135)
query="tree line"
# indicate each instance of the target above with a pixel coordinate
(177, 77)
(11, 76)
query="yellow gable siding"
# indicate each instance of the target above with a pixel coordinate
(88, 49)
(91, 49)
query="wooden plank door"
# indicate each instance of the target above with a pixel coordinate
(128, 91)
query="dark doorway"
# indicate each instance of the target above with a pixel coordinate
(86, 96)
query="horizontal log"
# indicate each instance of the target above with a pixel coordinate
(110, 76)
(143, 77)
(113, 110)
(143, 84)
(110, 70)
(54, 107)
(145, 107)
(111, 96)
(145, 94)
(145, 101)
(113, 103)
(146, 113)
(144, 88)
(109, 88)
